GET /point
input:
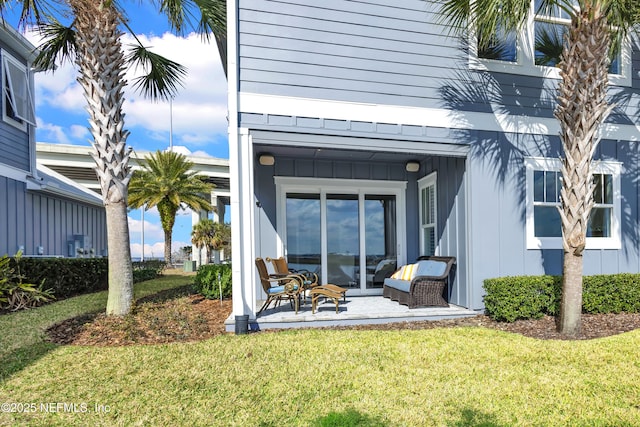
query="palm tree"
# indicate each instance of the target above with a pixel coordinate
(167, 181)
(215, 236)
(582, 107)
(92, 39)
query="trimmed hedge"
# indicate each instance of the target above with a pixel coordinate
(206, 281)
(531, 297)
(147, 270)
(66, 276)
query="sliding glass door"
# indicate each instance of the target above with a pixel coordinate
(348, 234)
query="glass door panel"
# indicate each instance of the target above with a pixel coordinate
(380, 239)
(343, 240)
(303, 232)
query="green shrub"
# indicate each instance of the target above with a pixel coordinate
(520, 297)
(612, 293)
(531, 297)
(15, 294)
(143, 275)
(65, 276)
(155, 265)
(207, 283)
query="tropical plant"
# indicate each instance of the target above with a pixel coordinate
(582, 106)
(15, 294)
(89, 32)
(215, 236)
(167, 181)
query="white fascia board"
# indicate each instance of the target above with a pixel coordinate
(416, 116)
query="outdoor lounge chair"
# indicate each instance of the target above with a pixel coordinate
(281, 267)
(288, 287)
(422, 284)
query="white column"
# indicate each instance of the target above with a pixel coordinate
(216, 218)
(242, 223)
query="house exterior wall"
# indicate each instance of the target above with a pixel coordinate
(388, 75)
(30, 219)
(14, 143)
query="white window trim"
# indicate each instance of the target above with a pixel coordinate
(29, 117)
(549, 164)
(525, 59)
(324, 186)
(427, 181)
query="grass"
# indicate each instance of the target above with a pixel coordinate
(439, 377)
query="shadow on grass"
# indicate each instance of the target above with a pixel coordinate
(348, 418)
(14, 361)
(473, 418)
(18, 359)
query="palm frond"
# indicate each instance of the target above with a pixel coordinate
(162, 76)
(548, 46)
(59, 44)
(487, 16)
(213, 18)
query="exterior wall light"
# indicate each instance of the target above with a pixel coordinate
(412, 166)
(266, 160)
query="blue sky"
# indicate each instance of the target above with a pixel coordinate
(197, 114)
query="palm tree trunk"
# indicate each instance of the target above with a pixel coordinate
(120, 273)
(101, 65)
(582, 107)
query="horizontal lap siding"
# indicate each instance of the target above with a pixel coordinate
(344, 50)
(14, 146)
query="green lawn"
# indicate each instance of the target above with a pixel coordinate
(442, 377)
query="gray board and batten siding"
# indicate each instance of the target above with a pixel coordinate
(382, 52)
(36, 218)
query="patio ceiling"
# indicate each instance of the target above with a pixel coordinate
(336, 154)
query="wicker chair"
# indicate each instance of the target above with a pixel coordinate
(281, 267)
(288, 287)
(423, 290)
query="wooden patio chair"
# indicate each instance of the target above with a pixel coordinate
(287, 287)
(281, 267)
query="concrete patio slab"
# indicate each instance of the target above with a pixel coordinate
(357, 310)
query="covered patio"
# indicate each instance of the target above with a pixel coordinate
(356, 310)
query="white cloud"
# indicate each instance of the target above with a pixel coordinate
(52, 133)
(155, 250)
(198, 113)
(152, 230)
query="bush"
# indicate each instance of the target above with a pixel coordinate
(520, 297)
(16, 294)
(65, 276)
(147, 270)
(531, 297)
(206, 281)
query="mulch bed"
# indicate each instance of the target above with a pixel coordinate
(173, 318)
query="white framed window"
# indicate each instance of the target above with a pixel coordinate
(17, 101)
(528, 52)
(543, 226)
(427, 188)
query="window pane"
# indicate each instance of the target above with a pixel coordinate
(547, 221)
(429, 238)
(551, 184)
(597, 189)
(380, 238)
(303, 231)
(599, 223)
(538, 186)
(343, 240)
(548, 43)
(502, 47)
(608, 189)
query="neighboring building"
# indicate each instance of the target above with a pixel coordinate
(42, 213)
(362, 132)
